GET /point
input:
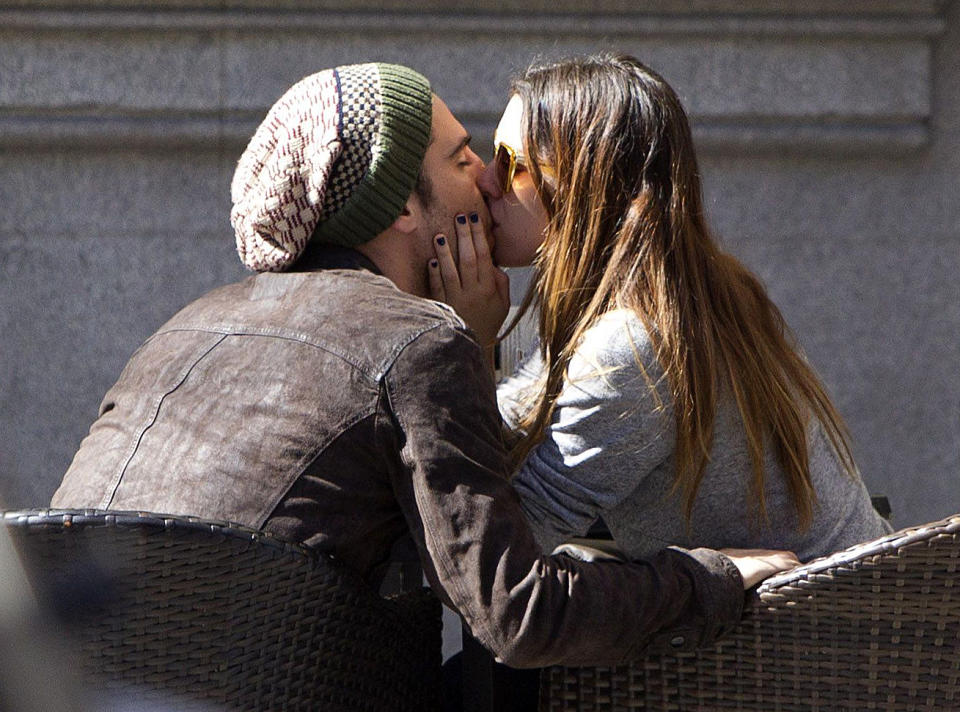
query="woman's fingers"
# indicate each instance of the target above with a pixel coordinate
(481, 248)
(467, 252)
(487, 272)
(447, 266)
(757, 564)
(437, 292)
(471, 284)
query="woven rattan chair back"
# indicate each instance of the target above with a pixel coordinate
(204, 615)
(875, 627)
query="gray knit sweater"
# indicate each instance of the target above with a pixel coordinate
(610, 451)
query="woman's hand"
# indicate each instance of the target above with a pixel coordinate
(757, 564)
(477, 289)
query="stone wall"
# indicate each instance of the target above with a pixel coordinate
(828, 136)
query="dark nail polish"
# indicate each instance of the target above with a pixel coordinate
(462, 219)
(441, 240)
(433, 263)
(474, 217)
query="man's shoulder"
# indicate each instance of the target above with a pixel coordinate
(318, 298)
(355, 313)
(372, 304)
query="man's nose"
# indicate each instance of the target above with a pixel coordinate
(487, 182)
(480, 163)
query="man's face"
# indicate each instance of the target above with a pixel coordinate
(451, 169)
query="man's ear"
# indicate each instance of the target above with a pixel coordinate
(409, 219)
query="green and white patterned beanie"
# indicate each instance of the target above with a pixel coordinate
(334, 161)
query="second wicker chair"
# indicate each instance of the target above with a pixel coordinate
(875, 627)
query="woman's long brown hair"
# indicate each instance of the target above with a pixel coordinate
(626, 230)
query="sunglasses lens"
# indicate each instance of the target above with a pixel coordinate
(504, 164)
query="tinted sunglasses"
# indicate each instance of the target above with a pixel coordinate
(505, 160)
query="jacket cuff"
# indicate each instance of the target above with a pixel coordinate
(718, 588)
(726, 591)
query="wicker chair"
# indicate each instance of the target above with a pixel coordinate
(206, 615)
(875, 627)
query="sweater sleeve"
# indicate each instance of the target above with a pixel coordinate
(479, 554)
(612, 425)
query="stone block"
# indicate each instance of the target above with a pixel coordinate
(103, 70)
(820, 79)
(138, 194)
(73, 308)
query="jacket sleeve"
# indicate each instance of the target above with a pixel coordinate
(440, 412)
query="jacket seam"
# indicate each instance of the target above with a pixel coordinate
(300, 337)
(111, 493)
(301, 465)
(401, 347)
(473, 617)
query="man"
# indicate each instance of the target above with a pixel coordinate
(326, 401)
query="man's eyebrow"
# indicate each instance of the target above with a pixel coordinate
(464, 142)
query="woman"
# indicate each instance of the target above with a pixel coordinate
(668, 396)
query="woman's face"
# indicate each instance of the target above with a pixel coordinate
(518, 217)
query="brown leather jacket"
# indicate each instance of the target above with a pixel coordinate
(330, 408)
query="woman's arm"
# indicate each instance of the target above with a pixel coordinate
(608, 431)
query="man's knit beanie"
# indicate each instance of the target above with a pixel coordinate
(334, 161)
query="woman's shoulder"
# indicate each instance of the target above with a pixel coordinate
(618, 338)
(616, 349)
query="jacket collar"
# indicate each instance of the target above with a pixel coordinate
(320, 256)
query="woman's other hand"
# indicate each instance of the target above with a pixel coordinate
(757, 564)
(477, 289)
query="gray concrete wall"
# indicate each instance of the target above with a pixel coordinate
(829, 142)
